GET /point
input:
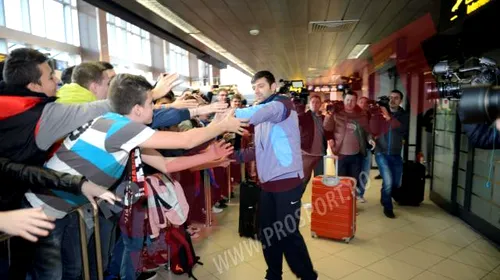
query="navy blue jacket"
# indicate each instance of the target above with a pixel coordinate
(169, 117)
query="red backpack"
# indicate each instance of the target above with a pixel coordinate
(182, 255)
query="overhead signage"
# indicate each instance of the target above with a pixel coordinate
(463, 8)
(455, 11)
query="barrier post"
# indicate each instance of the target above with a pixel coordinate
(208, 198)
(83, 244)
(229, 183)
(98, 250)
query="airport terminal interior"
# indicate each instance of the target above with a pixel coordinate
(271, 111)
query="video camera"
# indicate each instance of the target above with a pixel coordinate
(374, 106)
(334, 106)
(475, 85)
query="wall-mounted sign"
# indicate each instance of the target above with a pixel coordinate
(463, 8)
(453, 11)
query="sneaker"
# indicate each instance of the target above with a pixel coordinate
(378, 177)
(216, 210)
(148, 265)
(194, 235)
(160, 258)
(194, 229)
(221, 204)
(389, 214)
(308, 205)
(147, 276)
(361, 199)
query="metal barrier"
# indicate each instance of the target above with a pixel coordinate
(83, 230)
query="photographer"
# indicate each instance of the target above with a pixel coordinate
(390, 128)
(350, 131)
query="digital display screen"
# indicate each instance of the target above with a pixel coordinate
(297, 84)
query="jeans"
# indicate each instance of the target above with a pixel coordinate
(279, 214)
(58, 255)
(391, 170)
(127, 252)
(365, 173)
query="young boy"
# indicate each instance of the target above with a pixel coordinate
(99, 150)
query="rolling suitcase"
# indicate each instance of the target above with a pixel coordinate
(412, 189)
(333, 206)
(249, 212)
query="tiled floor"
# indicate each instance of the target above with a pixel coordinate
(423, 243)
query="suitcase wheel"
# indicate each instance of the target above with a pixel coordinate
(313, 234)
(347, 240)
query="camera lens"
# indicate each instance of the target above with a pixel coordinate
(443, 90)
(480, 103)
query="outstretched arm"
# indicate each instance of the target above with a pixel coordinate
(274, 111)
(194, 137)
(168, 165)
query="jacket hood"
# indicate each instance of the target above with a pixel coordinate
(17, 99)
(74, 93)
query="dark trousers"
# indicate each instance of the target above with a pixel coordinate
(350, 166)
(279, 227)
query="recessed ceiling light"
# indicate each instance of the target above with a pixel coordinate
(357, 51)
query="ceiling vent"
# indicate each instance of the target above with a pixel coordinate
(332, 26)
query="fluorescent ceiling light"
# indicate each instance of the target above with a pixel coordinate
(357, 51)
(171, 17)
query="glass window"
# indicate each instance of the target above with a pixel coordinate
(179, 61)
(128, 42)
(54, 21)
(13, 14)
(37, 18)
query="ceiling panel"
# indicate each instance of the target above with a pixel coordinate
(375, 9)
(337, 11)
(284, 45)
(357, 10)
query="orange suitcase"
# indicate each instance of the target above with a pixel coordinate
(333, 207)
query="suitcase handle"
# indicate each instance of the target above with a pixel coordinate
(331, 181)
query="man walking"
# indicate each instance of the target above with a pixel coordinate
(391, 131)
(279, 167)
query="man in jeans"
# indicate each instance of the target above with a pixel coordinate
(391, 129)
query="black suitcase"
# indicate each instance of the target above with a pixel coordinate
(412, 189)
(249, 204)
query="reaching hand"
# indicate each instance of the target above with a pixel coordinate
(166, 82)
(373, 144)
(226, 162)
(385, 114)
(184, 104)
(218, 107)
(26, 223)
(91, 191)
(220, 149)
(232, 124)
(212, 108)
